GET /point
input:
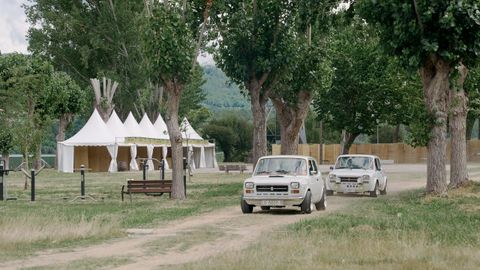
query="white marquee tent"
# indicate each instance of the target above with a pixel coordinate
(99, 145)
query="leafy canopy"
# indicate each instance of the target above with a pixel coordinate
(416, 29)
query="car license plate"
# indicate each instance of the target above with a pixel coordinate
(349, 188)
(271, 203)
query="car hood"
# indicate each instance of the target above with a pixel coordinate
(276, 180)
(351, 172)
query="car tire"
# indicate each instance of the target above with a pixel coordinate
(265, 208)
(375, 192)
(246, 208)
(306, 206)
(384, 191)
(329, 192)
(322, 204)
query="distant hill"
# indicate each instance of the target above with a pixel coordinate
(221, 93)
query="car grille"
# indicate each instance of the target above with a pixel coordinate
(348, 179)
(271, 188)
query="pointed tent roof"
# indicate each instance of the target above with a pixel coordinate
(94, 132)
(161, 127)
(132, 127)
(116, 127)
(148, 129)
(188, 131)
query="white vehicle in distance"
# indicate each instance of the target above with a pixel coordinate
(281, 181)
(357, 174)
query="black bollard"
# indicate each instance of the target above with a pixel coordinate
(82, 181)
(33, 185)
(162, 173)
(145, 166)
(185, 176)
(1, 182)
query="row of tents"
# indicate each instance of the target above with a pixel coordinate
(117, 145)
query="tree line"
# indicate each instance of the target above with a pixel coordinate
(356, 64)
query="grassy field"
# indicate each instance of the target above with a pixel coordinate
(53, 221)
(409, 231)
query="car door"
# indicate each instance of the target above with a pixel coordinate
(316, 183)
(379, 174)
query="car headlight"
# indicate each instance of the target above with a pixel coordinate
(332, 176)
(365, 178)
(249, 185)
(295, 185)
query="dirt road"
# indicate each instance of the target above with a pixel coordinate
(195, 237)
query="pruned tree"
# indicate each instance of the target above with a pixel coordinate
(252, 48)
(171, 43)
(367, 87)
(104, 93)
(434, 37)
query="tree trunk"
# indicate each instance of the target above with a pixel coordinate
(396, 134)
(291, 118)
(458, 125)
(6, 158)
(62, 126)
(258, 101)
(320, 156)
(435, 78)
(347, 141)
(470, 124)
(174, 91)
(38, 158)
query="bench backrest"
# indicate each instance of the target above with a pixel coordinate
(149, 183)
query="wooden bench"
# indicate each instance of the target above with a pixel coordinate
(233, 167)
(147, 187)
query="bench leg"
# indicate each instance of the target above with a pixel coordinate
(130, 196)
(123, 188)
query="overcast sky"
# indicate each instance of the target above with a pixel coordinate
(13, 26)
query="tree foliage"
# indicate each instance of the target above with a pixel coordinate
(367, 86)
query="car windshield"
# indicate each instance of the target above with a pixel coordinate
(281, 166)
(347, 162)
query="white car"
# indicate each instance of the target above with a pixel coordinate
(280, 181)
(357, 174)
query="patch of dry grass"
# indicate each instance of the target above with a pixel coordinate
(55, 222)
(405, 232)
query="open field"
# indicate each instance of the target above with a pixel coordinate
(54, 221)
(208, 231)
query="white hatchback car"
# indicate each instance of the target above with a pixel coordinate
(280, 181)
(357, 174)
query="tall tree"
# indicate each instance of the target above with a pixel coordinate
(23, 85)
(90, 39)
(367, 88)
(308, 69)
(434, 37)
(253, 45)
(171, 43)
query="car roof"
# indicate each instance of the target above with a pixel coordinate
(287, 156)
(358, 155)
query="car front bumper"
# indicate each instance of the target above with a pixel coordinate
(348, 187)
(279, 201)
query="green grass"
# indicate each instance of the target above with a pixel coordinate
(409, 231)
(53, 221)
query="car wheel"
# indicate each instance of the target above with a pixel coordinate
(375, 192)
(246, 208)
(265, 208)
(384, 191)
(306, 205)
(322, 204)
(329, 192)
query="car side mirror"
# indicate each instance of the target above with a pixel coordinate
(312, 172)
(331, 168)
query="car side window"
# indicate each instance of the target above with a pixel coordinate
(378, 165)
(312, 167)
